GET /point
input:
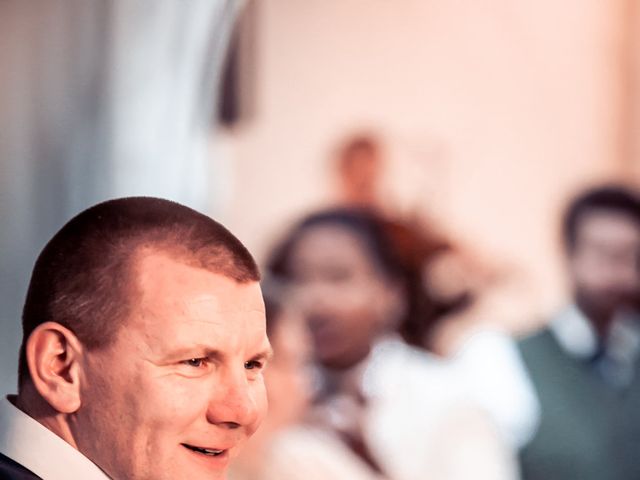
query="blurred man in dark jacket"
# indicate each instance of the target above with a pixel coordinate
(584, 365)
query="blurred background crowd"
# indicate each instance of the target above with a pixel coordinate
(442, 194)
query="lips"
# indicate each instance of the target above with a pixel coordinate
(210, 452)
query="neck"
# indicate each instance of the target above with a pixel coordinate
(31, 403)
(344, 380)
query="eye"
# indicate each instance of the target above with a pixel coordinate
(253, 365)
(195, 362)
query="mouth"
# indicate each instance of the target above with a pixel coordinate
(209, 452)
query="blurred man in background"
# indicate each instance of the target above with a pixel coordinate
(360, 166)
(143, 347)
(584, 365)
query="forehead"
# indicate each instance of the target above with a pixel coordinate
(608, 227)
(174, 297)
(330, 244)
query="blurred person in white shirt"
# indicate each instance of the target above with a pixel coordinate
(405, 412)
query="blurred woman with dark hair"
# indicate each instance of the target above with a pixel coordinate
(400, 409)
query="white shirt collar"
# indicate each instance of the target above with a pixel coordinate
(38, 449)
(576, 335)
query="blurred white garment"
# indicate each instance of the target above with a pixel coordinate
(614, 357)
(305, 453)
(491, 369)
(421, 422)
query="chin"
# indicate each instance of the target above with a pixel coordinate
(342, 362)
(175, 472)
(179, 468)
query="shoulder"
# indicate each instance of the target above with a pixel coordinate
(398, 362)
(398, 372)
(409, 387)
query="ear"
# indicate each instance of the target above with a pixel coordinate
(53, 355)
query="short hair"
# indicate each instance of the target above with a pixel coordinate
(83, 277)
(610, 198)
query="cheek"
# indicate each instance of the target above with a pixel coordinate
(593, 274)
(107, 393)
(363, 309)
(174, 403)
(147, 407)
(352, 298)
(586, 269)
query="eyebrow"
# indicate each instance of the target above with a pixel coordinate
(212, 353)
(266, 354)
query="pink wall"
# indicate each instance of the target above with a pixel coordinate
(495, 112)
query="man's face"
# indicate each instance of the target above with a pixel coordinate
(181, 388)
(604, 263)
(342, 294)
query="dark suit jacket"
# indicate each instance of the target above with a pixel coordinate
(10, 470)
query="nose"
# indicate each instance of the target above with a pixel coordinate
(314, 296)
(236, 402)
